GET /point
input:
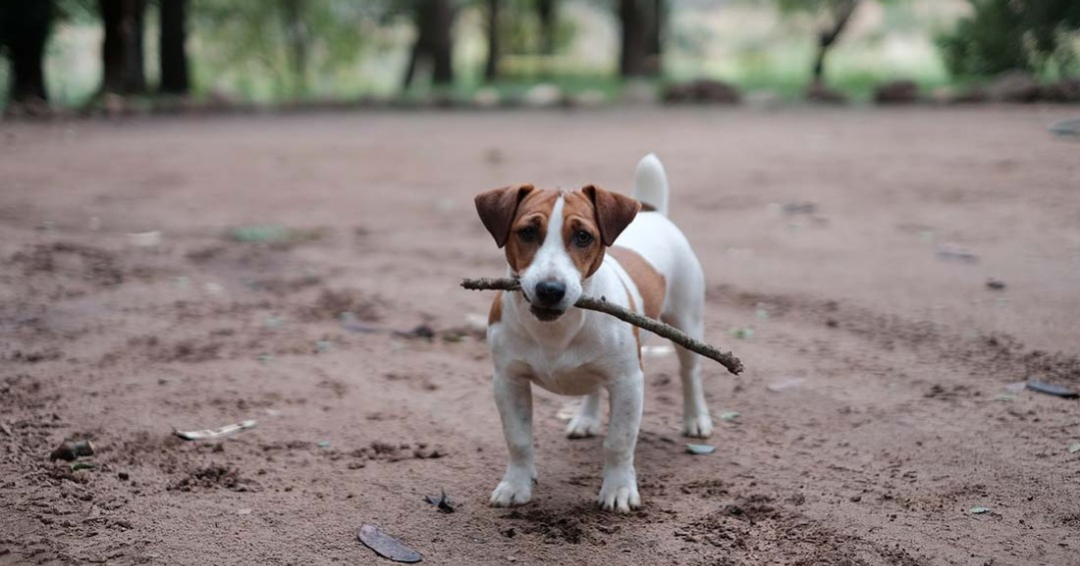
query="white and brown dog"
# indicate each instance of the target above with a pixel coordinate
(561, 245)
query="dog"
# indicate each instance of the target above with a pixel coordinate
(560, 245)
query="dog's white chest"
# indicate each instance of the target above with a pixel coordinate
(561, 376)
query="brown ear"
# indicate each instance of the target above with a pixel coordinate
(497, 209)
(614, 212)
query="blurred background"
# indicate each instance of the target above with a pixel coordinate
(81, 54)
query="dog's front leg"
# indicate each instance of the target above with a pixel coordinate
(619, 491)
(513, 396)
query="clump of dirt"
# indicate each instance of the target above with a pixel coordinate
(388, 452)
(188, 351)
(331, 303)
(554, 527)
(19, 389)
(67, 259)
(33, 356)
(706, 488)
(752, 509)
(214, 477)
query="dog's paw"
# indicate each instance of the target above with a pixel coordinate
(619, 495)
(698, 426)
(583, 426)
(510, 493)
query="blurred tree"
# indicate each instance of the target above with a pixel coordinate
(173, 50)
(433, 43)
(546, 13)
(297, 38)
(834, 16)
(287, 42)
(654, 38)
(122, 48)
(641, 22)
(1034, 35)
(491, 66)
(24, 31)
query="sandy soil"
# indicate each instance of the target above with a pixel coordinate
(874, 414)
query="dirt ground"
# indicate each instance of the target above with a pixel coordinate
(874, 415)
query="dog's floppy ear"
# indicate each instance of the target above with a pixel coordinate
(614, 212)
(498, 207)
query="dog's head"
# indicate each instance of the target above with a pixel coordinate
(554, 240)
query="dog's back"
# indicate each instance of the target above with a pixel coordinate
(660, 242)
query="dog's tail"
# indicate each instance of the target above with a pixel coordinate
(650, 184)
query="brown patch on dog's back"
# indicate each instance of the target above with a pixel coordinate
(495, 314)
(651, 285)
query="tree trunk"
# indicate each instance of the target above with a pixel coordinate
(433, 42)
(654, 40)
(441, 45)
(121, 51)
(134, 60)
(172, 52)
(545, 10)
(297, 37)
(841, 12)
(25, 32)
(633, 53)
(491, 68)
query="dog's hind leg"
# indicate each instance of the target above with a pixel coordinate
(586, 421)
(696, 420)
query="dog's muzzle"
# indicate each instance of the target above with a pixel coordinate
(547, 297)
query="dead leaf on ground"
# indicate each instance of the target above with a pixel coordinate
(387, 546)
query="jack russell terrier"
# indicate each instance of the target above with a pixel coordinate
(560, 245)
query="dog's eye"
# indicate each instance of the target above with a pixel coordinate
(582, 239)
(528, 234)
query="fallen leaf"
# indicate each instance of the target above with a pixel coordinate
(1051, 389)
(387, 546)
(979, 510)
(214, 433)
(1074, 448)
(729, 415)
(442, 502)
(700, 449)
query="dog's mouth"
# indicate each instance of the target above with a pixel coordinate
(545, 314)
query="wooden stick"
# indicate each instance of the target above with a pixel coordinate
(726, 359)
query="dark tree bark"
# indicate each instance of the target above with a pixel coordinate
(24, 31)
(655, 38)
(297, 37)
(122, 49)
(433, 44)
(633, 54)
(173, 51)
(491, 68)
(545, 10)
(134, 60)
(442, 46)
(841, 14)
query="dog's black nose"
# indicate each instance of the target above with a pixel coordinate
(550, 292)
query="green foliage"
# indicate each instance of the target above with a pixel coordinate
(1035, 35)
(251, 40)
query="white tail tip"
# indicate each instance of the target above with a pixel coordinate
(650, 183)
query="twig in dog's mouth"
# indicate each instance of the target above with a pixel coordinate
(726, 359)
